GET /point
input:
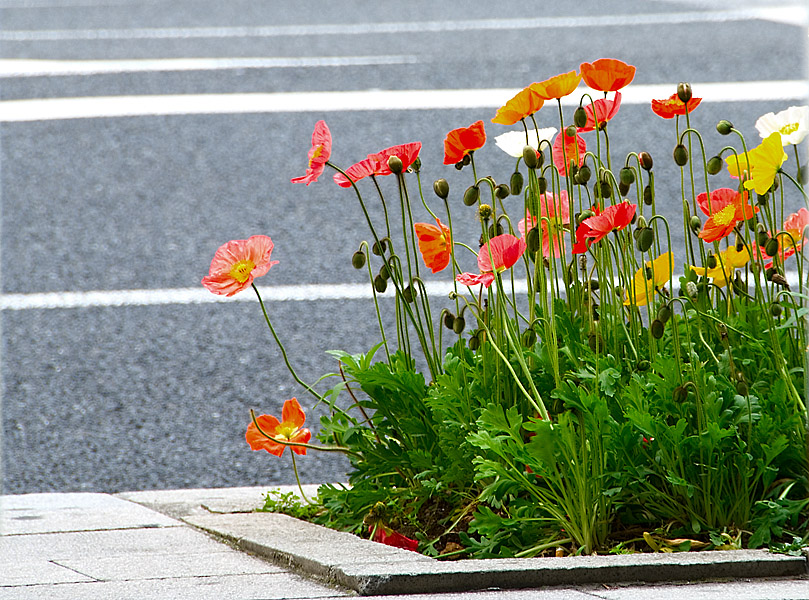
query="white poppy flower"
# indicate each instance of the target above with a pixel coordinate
(792, 124)
(512, 142)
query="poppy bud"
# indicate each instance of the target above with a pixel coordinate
(627, 176)
(724, 127)
(583, 175)
(680, 155)
(739, 244)
(441, 188)
(408, 294)
(741, 388)
(358, 259)
(532, 240)
(779, 279)
(711, 261)
(459, 165)
(529, 157)
(585, 214)
(474, 343)
(379, 247)
(573, 170)
(646, 238)
(738, 285)
(516, 183)
(502, 191)
(680, 394)
(471, 195)
(529, 338)
(380, 285)
(593, 285)
(684, 92)
(485, 212)
(646, 161)
(416, 165)
(384, 272)
(580, 117)
(768, 274)
(570, 131)
(459, 324)
(664, 313)
(776, 309)
(606, 189)
(761, 199)
(695, 223)
(495, 229)
(714, 165)
(395, 164)
(543, 185)
(648, 197)
(771, 247)
(641, 222)
(449, 320)
(466, 159)
(657, 328)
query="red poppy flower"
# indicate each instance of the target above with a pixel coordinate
(726, 209)
(435, 244)
(557, 86)
(237, 263)
(460, 142)
(407, 153)
(604, 111)
(319, 154)
(289, 429)
(607, 74)
(505, 250)
(573, 151)
(524, 104)
(357, 171)
(672, 106)
(597, 227)
(385, 535)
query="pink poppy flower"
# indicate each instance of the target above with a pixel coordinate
(357, 171)
(407, 153)
(573, 151)
(796, 226)
(594, 229)
(556, 209)
(319, 154)
(236, 264)
(604, 111)
(505, 251)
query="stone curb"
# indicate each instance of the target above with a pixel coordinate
(370, 568)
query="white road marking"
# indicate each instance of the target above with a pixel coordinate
(16, 67)
(188, 104)
(444, 26)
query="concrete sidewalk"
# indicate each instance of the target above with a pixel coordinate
(142, 545)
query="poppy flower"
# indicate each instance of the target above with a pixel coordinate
(793, 235)
(524, 104)
(505, 250)
(594, 229)
(792, 124)
(726, 209)
(237, 263)
(727, 262)
(765, 162)
(435, 244)
(460, 142)
(557, 86)
(290, 429)
(607, 74)
(573, 151)
(319, 154)
(554, 215)
(604, 111)
(513, 142)
(386, 535)
(672, 106)
(648, 279)
(407, 153)
(357, 171)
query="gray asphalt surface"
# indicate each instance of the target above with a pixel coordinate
(156, 397)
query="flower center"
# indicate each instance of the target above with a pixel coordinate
(789, 128)
(725, 216)
(318, 150)
(285, 431)
(242, 269)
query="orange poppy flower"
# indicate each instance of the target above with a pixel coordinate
(557, 86)
(289, 429)
(460, 142)
(607, 74)
(672, 106)
(604, 111)
(435, 244)
(573, 151)
(524, 104)
(237, 263)
(319, 154)
(725, 209)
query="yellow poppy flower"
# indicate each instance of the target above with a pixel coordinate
(765, 162)
(648, 278)
(727, 262)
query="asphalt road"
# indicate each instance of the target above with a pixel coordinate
(110, 397)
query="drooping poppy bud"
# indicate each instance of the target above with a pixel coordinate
(657, 328)
(449, 320)
(379, 247)
(646, 238)
(664, 313)
(532, 240)
(471, 195)
(395, 164)
(459, 324)
(358, 259)
(516, 183)
(771, 247)
(380, 285)
(580, 117)
(583, 175)
(648, 196)
(724, 127)
(502, 191)
(529, 157)
(714, 165)
(646, 161)
(680, 155)
(441, 188)
(627, 176)
(543, 185)
(695, 223)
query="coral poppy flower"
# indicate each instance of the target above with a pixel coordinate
(460, 142)
(357, 171)
(726, 209)
(386, 535)
(319, 154)
(727, 262)
(648, 279)
(573, 151)
(594, 229)
(557, 86)
(672, 106)
(435, 244)
(524, 104)
(604, 111)
(237, 263)
(289, 429)
(792, 124)
(793, 235)
(505, 250)
(554, 214)
(407, 153)
(765, 162)
(513, 142)
(607, 74)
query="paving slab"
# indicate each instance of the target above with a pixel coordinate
(23, 570)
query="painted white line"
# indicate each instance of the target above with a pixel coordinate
(444, 26)
(384, 100)
(14, 67)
